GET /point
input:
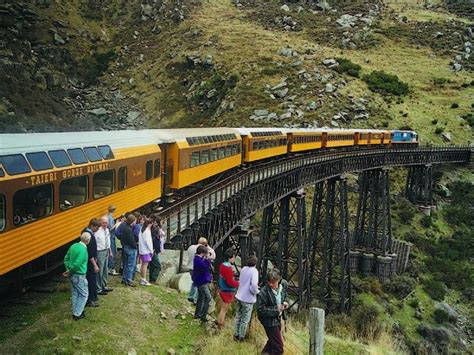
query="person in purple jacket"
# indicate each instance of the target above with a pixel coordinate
(246, 297)
(202, 277)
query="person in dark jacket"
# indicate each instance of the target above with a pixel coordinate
(157, 234)
(92, 266)
(271, 307)
(130, 249)
(202, 277)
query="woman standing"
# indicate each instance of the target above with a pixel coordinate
(145, 249)
(246, 297)
(227, 285)
(158, 236)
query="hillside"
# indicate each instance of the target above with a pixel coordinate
(116, 64)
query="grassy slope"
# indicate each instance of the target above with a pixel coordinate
(126, 319)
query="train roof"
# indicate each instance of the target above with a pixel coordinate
(183, 133)
(16, 143)
(248, 130)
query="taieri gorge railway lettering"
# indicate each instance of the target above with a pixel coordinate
(132, 169)
(66, 174)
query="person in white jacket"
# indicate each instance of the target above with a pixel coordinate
(145, 250)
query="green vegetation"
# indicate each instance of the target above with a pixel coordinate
(385, 84)
(400, 286)
(347, 67)
(436, 289)
(91, 67)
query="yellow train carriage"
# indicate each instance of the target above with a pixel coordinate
(303, 140)
(339, 138)
(198, 154)
(262, 143)
(50, 188)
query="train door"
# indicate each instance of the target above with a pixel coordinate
(324, 140)
(356, 138)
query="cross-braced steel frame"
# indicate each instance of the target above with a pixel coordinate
(419, 184)
(283, 242)
(373, 230)
(329, 246)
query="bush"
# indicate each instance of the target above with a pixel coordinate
(93, 66)
(347, 67)
(426, 221)
(444, 313)
(439, 130)
(385, 84)
(469, 118)
(366, 321)
(436, 289)
(406, 213)
(435, 121)
(440, 81)
(400, 286)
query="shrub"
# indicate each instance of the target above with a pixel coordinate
(400, 286)
(385, 84)
(436, 289)
(366, 321)
(444, 313)
(93, 66)
(347, 67)
(435, 121)
(469, 118)
(440, 81)
(426, 221)
(454, 105)
(439, 130)
(414, 302)
(406, 213)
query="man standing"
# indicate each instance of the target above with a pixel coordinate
(92, 267)
(211, 255)
(75, 262)
(102, 237)
(113, 245)
(202, 278)
(130, 249)
(271, 307)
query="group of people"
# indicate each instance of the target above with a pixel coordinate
(90, 261)
(270, 299)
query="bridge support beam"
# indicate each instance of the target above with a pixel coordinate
(373, 230)
(419, 184)
(283, 242)
(329, 245)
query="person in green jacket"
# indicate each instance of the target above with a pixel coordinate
(75, 262)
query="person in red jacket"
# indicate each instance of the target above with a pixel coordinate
(227, 285)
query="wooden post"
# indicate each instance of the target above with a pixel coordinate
(316, 331)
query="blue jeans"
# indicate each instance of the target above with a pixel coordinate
(242, 318)
(193, 292)
(80, 293)
(113, 248)
(130, 263)
(203, 301)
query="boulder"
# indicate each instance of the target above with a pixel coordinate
(329, 88)
(181, 282)
(287, 52)
(281, 93)
(285, 8)
(445, 313)
(446, 137)
(98, 111)
(260, 112)
(457, 67)
(330, 62)
(346, 21)
(169, 265)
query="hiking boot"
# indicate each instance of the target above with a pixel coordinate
(78, 317)
(113, 272)
(102, 293)
(108, 289)
(92, 304)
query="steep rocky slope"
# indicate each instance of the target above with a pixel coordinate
(114, 64)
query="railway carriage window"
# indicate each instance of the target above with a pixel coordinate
(228, 151)
(92, 153)
(32, 203)
(103, 183)
(205, 156)
(72, 192)
(39, 161)
(15, 164)
(122, 178)
(195, 160)
(60, 158)
(214, 154)
(221, 153)
(149, 170)
(157, 168)
(235, 149)
(77, 156)
(2, 213)
(106, 152)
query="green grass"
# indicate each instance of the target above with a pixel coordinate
(126, 319)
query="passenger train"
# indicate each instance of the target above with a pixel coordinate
(51, 184)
